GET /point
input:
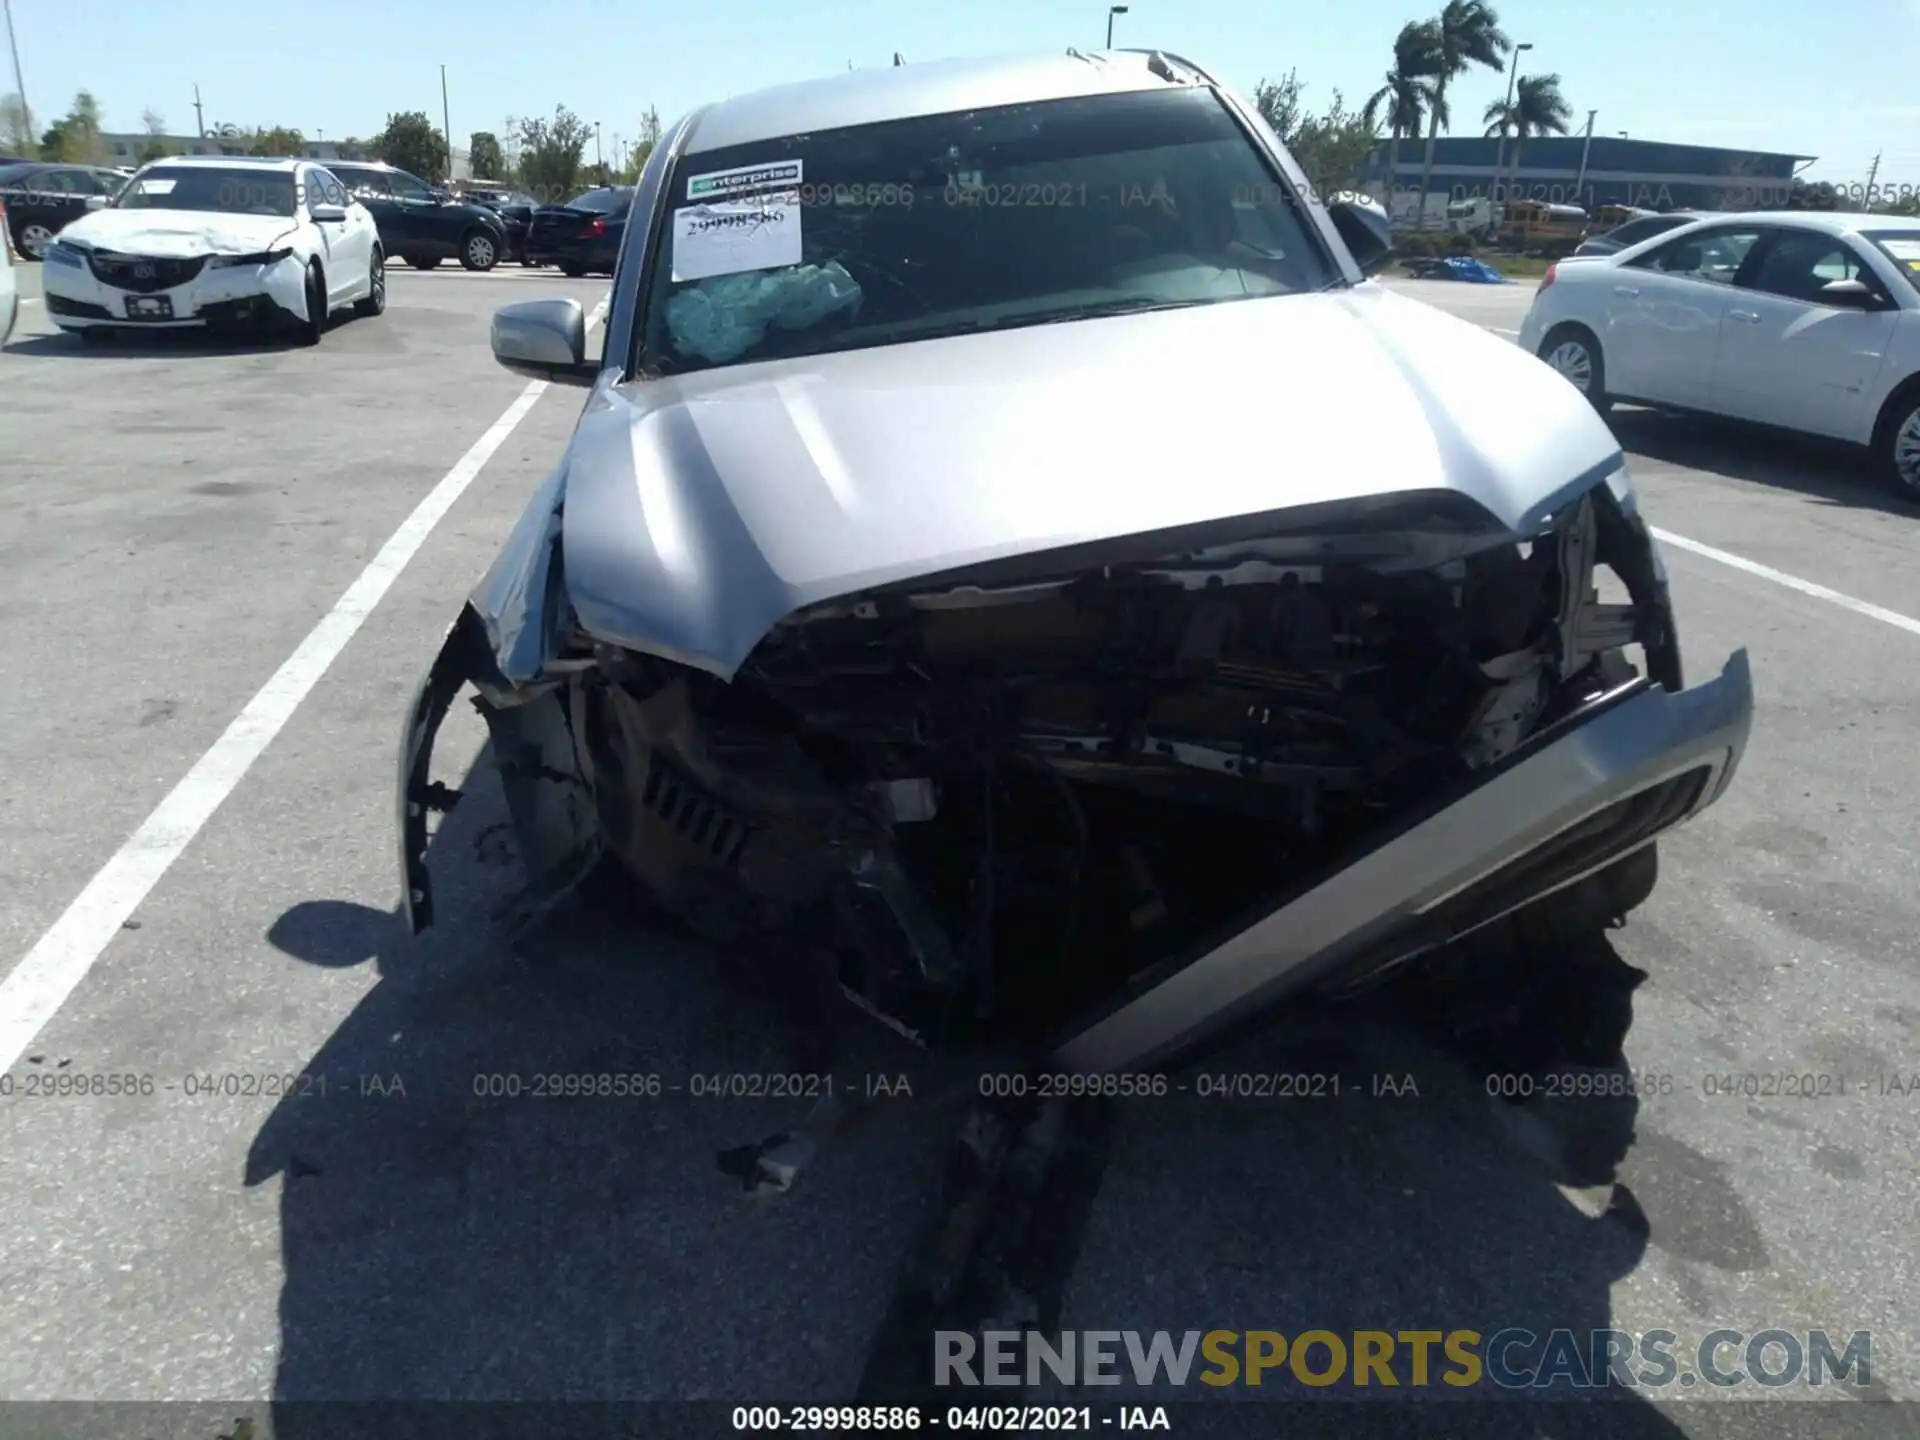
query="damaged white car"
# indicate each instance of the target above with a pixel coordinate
(218, 243)
(1011, 550)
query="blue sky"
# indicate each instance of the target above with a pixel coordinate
(1832, 78)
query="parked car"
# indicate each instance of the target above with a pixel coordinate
(1803, 320)
(42, 199)
(963, 572)
(9, 282)
(217, 242)
(514, 207)
(420, 224)
(583, 236)
(1629, 233)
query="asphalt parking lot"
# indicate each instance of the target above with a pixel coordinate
(176, 519)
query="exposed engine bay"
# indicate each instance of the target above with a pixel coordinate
(997, 802)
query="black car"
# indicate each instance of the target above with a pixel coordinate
(584, 234)
(422, 225)
(42, 198)
(1632, 232)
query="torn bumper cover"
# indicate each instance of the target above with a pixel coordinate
(1574, 799)
(1109, 810)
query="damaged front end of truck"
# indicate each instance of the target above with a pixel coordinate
(1106, 800)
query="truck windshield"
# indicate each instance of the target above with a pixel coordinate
(910, 229)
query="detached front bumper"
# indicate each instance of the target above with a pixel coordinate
(1575, 798)
(77, 299)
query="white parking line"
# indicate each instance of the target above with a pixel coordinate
(1792, 582)
(1778, 577)
(41, 983)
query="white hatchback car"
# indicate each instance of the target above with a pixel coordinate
(1804, 320)
(220, 243)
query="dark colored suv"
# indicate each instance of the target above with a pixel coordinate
(420, 224)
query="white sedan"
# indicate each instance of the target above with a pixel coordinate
(221, 243)
(9, 284)
(1804, 320)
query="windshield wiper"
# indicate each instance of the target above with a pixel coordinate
(978, 325)
(1131, 305)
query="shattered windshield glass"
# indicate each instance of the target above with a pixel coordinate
(1026, 214)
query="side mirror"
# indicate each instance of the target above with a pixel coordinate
(96, 202)
(1366, 232)
(324, 214)
(546, 339)
(440, 197)
(1853, 294)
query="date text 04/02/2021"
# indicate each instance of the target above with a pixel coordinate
(958, 1419)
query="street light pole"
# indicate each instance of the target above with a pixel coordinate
(19, 85)
(1580, 183)
(1113, 10)
(599, 155)
(446, 122)
(1500, 152)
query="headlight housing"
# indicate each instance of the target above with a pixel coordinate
(62, 252)
(262, 257)
(1620, 486)
(1620, 483)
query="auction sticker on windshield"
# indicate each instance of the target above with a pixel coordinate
(745, 180)
(761, 233)
(1907, 252)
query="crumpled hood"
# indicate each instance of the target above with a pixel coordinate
(700, 510)
(178, 234)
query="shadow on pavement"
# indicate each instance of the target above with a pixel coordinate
(1826, 471)
(451, 1232)
(127, 343)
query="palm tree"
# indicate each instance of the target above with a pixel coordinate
(1470, 35)
(1538, 108)
(1400, 104)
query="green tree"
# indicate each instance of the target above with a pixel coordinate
(277, 142)
(1538, 108)
(1908, 204)
(643, 147)
(1333, 146)
(484, 157)
(1329, 147)
(74, 139)
(550, 152)
(153, 147)
(410, 143)
(1470, 35)
(1407, 89)
(16, 127)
